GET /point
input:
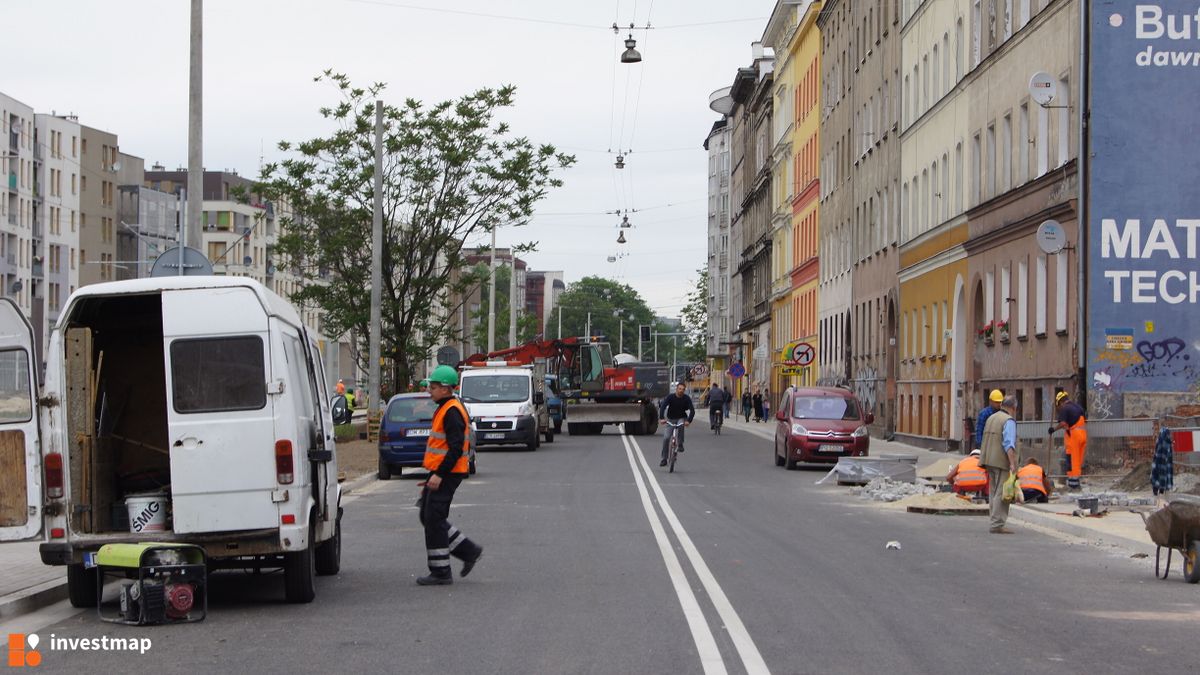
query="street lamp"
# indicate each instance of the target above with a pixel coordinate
(631, 55)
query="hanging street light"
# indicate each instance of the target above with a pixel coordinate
(625, 222)
(621, 238)
(631, 55)
(620, 161)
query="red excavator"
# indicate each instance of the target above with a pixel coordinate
(596, 389)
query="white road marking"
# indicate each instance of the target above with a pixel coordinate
(706, 644)
(752, 660)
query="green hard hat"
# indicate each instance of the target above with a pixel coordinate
(444, 375)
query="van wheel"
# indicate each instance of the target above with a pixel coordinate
(82, 586)
(534, 442)
(385, 470)
(329, 553)
(299, 573)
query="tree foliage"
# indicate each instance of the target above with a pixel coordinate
(608, 302)
(695, 320)
(451, 171)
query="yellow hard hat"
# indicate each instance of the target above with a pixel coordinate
(1058, 398)
(997, 396)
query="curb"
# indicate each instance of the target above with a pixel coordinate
(33, 598)
(1064, 525)
(358, 483)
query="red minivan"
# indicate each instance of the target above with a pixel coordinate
(818, 425)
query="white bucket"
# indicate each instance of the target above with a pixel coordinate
(147, 512)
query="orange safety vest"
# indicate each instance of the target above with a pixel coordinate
(1032, 477)
(437, 446)
(970, 474)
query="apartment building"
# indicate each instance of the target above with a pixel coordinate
(721, 319)
(98, 166)
(147, 220)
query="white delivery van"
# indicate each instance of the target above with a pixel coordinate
(507, 403)
(178, 409)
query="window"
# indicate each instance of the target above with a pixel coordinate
(1039, 298)
(958, 178)
(1006, 154)
(1024, 12)
(959, 47)
(16, 402)
(989, 297)
(83, 183)
(991, 161)
(976, 31)
(1005, 292)
(1041, 142)
(1060, 292)
(976, 168)
(1023, 145)
(218, 374)
(1064, 121)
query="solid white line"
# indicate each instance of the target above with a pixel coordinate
(751, 658)
(706, 644)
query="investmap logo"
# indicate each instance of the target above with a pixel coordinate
(23, 649)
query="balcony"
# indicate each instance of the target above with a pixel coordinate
(12, 181)
(38, 270)
(723, 260)
(37, 152)
(37, 192)
(12, 259)
(37, 228)
(12, 219)
(14, 141)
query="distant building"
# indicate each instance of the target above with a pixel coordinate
(542, 290)
(473, 300)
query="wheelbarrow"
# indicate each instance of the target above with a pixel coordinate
(1176, 527)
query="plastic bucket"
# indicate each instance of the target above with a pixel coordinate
(147, 512)
(1091, 504)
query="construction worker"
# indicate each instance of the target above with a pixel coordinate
(349, 397)
(994, 401)
(969, 476)
(447, 459)
(341, 388)
(999, 457)
(1034, 482)
(1070, 417)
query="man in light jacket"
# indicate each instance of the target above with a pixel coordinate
(1000, 460)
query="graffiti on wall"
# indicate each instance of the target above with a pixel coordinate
(866, 386)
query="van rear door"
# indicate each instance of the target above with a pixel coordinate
(20, 455)
(220, 414)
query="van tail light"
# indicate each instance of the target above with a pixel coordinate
(284, 469)
(54, 475)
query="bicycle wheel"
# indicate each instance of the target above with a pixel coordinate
(673, 452)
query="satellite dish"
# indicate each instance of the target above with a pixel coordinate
(16, 286)
(116, 165)
(1043, 88)
(1051, 237)
(195, 263)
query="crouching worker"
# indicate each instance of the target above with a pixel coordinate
(969, 477)
(1034, 482)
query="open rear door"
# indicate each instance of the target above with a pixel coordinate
(20, 454)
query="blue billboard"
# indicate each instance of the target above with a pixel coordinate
(1143, 201)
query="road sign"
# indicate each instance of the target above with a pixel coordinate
(448, 356)
(799, 354)
(699, 371)
(738, 370)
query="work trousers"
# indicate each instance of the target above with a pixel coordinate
(442, 539)
(1076, 442)
(997, 507)
(667, 428)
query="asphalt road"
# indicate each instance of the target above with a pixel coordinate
(598, 561)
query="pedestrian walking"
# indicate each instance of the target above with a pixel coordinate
(757, 399)
(447, 457)
(1070, 417)
(766, 404)
(747, 403)
(999, 457)
(994, 401)
(728, 400)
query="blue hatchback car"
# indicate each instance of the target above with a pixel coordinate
(404, 431)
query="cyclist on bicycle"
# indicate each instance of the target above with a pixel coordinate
(716, 405)
(677, 406)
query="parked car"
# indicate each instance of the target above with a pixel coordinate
(818, 425)
(554, 403)
(403, 432)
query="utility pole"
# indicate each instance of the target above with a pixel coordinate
(512, 300)
(639, 343)
(621, 337)
(492, 296)
(560, 322)
(589, 325)
(376, 265)
(190, 226)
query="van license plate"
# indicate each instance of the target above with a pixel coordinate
(89, 559)
(418, 432)
(830, 448)
(493, 437)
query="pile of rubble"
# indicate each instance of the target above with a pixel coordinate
(884, 490)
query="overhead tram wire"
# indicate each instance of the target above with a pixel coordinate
(570, 24)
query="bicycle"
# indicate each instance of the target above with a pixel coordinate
(673, 446)
(716, 417)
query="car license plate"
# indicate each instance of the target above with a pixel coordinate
(830, 448)
(491, 437)
(418, 432)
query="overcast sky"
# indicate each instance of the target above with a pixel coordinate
(122, 66)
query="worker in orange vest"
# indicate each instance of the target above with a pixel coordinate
(968, 476)
(1034, 482)
(341, 387)
(1071, 418)
(447, 457)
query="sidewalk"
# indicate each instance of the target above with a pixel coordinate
(27, 585)
(1119, 527)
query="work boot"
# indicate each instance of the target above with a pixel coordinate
(432, 579)
(469, 565)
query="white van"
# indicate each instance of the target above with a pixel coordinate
(507, 403)
(203, 395)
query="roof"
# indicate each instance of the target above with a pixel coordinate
(272, 303)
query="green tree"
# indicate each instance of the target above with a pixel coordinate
(451, 171)
(610, 304)
(527, 324)
(695, 320)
